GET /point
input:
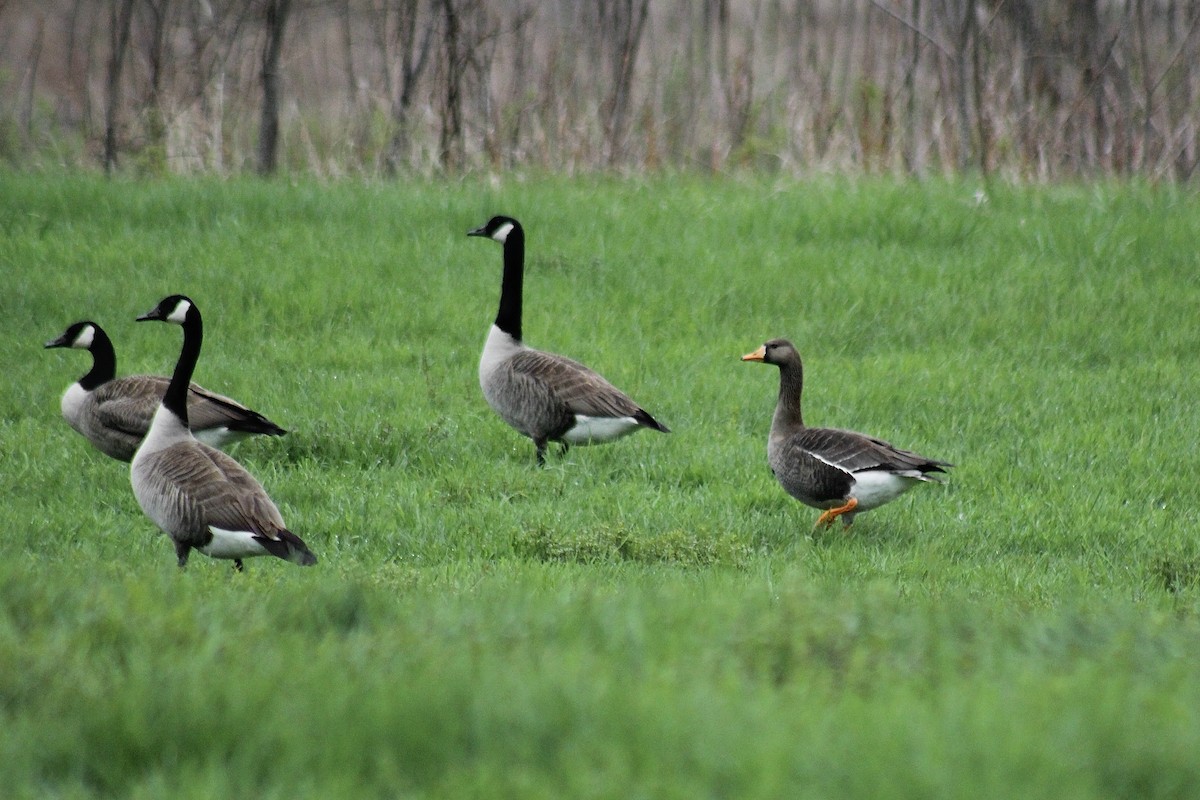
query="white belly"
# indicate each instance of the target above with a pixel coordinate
(594, 430)
(232, 544)
(873, 488)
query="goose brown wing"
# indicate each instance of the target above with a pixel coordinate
(214, 490)
(807, 474)
(128, 404)
(242, 502)
(580, 389)
(207, 409)
(855, 452)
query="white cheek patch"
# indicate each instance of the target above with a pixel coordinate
(179, 314)
(85, 338)
(501, 234)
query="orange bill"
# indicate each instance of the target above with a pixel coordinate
(757, 355)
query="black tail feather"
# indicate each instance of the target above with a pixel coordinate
(289, 547)
(643, 418)
(256, 423)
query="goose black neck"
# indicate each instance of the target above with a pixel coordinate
(508, 318)
(175, 399)
(104, 361)
(791, 386)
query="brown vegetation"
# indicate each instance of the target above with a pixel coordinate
(1048, 90)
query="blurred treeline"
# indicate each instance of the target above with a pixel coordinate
(1048, 90)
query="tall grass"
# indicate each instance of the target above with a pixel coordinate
(652, 618)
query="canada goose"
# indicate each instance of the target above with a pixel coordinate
(199, 496)
(545, 396)
(114, 413)
(843, 472)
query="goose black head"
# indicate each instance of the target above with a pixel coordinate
(497, 228)
(776, 351)
(79, 335)
(175, 309)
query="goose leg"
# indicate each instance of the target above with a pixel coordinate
(826, 519)
(238, 566)
(541, 451)
(181, 553)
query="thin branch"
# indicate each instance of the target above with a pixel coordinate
(912, 26)
(1171, 64)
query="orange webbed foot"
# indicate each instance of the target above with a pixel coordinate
(827, 517)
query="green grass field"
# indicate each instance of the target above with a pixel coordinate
(649, 619)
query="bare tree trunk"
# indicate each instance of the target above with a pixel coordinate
(413, 59)
(69, 106)
(872, 124)
(1188, 153)
(72, 28)
(982, 135)
(843, 35)
(807, 71)
(121, 16)
(716, 20)
(479, 49)
(522, 75)
(627, 24)
(344, 19)
(737, 76)
(1039, 67)
(450, 143)
(912, 157)
(1148, 85)
(701, 83)
(268, 136)
(963, 63)
(90, 66)
(1085, 19)
(156, 130)
(35, 55)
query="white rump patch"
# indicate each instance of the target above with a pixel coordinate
(232, 544)
(219, 436)
(594, 430)
(179, 313)
(83, 340)
(874, 487)
(501, 233)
